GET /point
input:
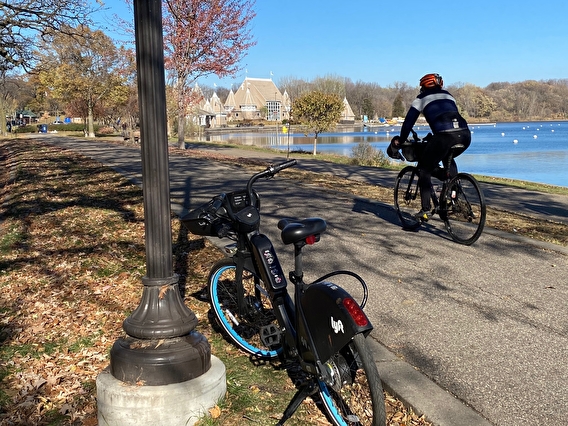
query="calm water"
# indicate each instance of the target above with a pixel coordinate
(535, 151)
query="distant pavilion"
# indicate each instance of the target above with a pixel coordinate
(255, 99)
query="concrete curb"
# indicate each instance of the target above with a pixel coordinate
(420, 393)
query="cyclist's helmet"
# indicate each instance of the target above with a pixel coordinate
(430, 81)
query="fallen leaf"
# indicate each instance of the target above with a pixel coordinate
(215, 412)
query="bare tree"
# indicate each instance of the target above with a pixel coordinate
(22, 21)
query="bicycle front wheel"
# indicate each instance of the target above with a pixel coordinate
(407, 197)
(242, 328)
(463, 209)
(356, 395)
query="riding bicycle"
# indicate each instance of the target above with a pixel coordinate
(322, 330)
(459, 202)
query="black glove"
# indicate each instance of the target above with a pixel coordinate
(392, 150)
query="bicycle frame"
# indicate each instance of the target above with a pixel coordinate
(299, 318)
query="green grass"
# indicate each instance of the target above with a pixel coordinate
(256, 394)
(12, 237)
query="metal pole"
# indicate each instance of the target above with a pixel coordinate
(161, 347)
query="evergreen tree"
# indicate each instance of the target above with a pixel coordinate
(398, 107)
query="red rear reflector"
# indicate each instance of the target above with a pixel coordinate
(356, 312)
(311, 240)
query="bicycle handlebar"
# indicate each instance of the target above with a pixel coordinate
(220, 216)
(269, 172)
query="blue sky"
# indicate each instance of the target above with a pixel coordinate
(476, 42)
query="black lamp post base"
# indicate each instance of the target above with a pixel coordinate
(160, 362)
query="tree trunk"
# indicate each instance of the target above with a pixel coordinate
(90, 120)
(181, 129)
(315, 144)
(181, 111)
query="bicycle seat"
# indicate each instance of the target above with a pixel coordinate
(294, 231)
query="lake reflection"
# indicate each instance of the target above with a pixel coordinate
(533, 151)
(327, 142)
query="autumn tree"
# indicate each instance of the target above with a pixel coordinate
(15, 94)
(203, 38)
(317, 111)
(23, 21)
(474, 101)
(85, 71)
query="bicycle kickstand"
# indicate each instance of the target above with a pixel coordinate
(303, 392)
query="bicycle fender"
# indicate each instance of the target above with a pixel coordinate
(331, 319)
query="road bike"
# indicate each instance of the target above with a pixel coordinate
(320, 333)
(459, 203)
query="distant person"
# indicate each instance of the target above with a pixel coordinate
(448, 127)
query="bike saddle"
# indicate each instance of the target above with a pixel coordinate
(294, 231)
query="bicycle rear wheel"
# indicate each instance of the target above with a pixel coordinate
(407, 197)
(463, 209)
(356, 396)
(242, 329)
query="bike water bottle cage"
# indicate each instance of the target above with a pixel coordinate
(307, 230)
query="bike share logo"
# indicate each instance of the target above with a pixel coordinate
(337, 326)
(274, 270)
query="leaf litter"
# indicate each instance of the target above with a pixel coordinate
(72, 258)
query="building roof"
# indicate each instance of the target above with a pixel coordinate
(347, 113)
(256, 91)
(230, 102)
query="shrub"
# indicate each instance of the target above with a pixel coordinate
(30, 128)
(107, 130)
(364, 154)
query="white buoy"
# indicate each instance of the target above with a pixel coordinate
(535, 136)
(515, 141)
(502, 134)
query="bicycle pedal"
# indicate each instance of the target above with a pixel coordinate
(270, 335)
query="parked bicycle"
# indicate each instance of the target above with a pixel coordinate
(322, 330)
(459, 203)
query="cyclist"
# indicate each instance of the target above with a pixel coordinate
(448, 127)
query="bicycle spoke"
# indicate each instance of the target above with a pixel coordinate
(464, 214)
(242, 326)
(407, 197)
(356, 396)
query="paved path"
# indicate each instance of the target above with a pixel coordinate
(467, 335)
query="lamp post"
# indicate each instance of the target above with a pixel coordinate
(161, 318)
(161, 348)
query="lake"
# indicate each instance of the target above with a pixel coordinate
(532, 151)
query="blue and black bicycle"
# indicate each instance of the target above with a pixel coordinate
(321, 332)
